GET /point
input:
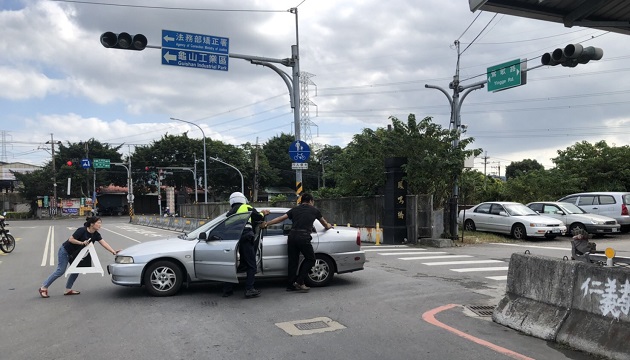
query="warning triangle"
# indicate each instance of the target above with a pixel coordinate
(96, 264)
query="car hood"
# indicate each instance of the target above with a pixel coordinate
(169, 245)
(539, 219)
(588, 217)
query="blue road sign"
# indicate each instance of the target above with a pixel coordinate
(86, 163)
(299, 151)
(194, 59)
(195, 50)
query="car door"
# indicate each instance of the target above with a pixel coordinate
(590, 203)
(553, 211)
(274, 256)
(215, 256)
(499, 219)
(607, 206)
(481, 217)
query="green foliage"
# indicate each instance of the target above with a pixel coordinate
(518, 168)
(278, 198)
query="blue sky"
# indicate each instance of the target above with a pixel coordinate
(369, 60)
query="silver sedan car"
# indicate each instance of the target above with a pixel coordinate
(575, 218)
(210, 252)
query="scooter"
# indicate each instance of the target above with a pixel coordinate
(7, 241)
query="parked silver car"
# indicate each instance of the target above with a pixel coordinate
(607, 203)
(576, 218)
(210, 252)
(510, 218)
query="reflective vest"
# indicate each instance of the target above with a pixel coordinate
(243, 209)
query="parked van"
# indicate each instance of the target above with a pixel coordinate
(611, 204)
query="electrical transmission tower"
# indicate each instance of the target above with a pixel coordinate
(305, 104)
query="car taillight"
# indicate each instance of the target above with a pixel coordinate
(358, 238)
(624, 209)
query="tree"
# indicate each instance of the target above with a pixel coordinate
(598, 166)
(517, 168)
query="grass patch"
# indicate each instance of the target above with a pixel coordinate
(478, 237)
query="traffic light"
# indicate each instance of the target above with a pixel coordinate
(69, 162)
(572, 55)
(124, 41)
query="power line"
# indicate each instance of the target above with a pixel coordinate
(471, 23)
(166, 7)
(482, 30)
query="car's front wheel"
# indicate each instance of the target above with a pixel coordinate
(163, 278)
(469, 225)
(519, 232)
(576, 228)
(321, 274)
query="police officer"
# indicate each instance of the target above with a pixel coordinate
(299, 240)
(247, 248)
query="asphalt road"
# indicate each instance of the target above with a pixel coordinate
(394, 309)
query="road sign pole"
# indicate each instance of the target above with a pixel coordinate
(455, 102)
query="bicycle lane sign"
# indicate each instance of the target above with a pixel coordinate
(299, 151)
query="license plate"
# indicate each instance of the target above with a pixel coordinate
(556, 230)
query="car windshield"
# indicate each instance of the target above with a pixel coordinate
(194, 235)
(572, 208)
(519, 210)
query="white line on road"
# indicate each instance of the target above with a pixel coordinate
(504, 277)
(435, 257)
(414, 253)
(533, 246)
(50, 243)
(496, 268)
(465, 262)
(398, 249)
(125, 236)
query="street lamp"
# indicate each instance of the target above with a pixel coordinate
(205, 173)
(233, 167)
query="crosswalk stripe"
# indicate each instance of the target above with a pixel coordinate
(436, 257)
(384, 246)
(414, 253)
(503, 277)
(465, 262)
(497, 268)
(399, 249)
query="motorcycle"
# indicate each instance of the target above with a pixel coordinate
(7, 241)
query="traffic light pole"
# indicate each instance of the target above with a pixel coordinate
(456, 104)
(130, 196)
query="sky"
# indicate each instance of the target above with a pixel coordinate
(366, 60)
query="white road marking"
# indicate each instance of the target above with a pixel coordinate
(50, 244)
(497, 268)
(125, 236)
(504, 277)
(414, 253)
(533, 246)
(465, 262)
(436, 257)
(398, 249)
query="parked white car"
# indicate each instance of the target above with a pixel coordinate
(576, 218)
(510, 218)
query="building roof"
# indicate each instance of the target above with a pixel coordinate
(609, 15)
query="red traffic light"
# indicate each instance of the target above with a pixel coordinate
(146, 168)
(69, 163)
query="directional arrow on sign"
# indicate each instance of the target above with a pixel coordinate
(168, 38)
(170, 57)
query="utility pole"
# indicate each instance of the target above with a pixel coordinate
(256, 180)
(485, 174)
(455, 102)
(53, 203)
(195, 176)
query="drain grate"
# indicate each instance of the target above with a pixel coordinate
(310, 326)
(481, 310)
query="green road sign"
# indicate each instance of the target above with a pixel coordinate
(507, 75)
(101, 163)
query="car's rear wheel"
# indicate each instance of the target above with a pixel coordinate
(576, 227)
(163, 278)
(519, 232)
(469, 225)
(321, 274)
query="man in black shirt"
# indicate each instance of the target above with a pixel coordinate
(299, 240)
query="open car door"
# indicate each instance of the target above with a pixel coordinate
(215, 255)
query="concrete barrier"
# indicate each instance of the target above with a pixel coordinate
(581, 305)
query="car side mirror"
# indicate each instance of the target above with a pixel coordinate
(202, 236)
(560, 212)
(502, 213)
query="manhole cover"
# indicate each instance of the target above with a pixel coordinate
(310, 326)
(481, 310)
